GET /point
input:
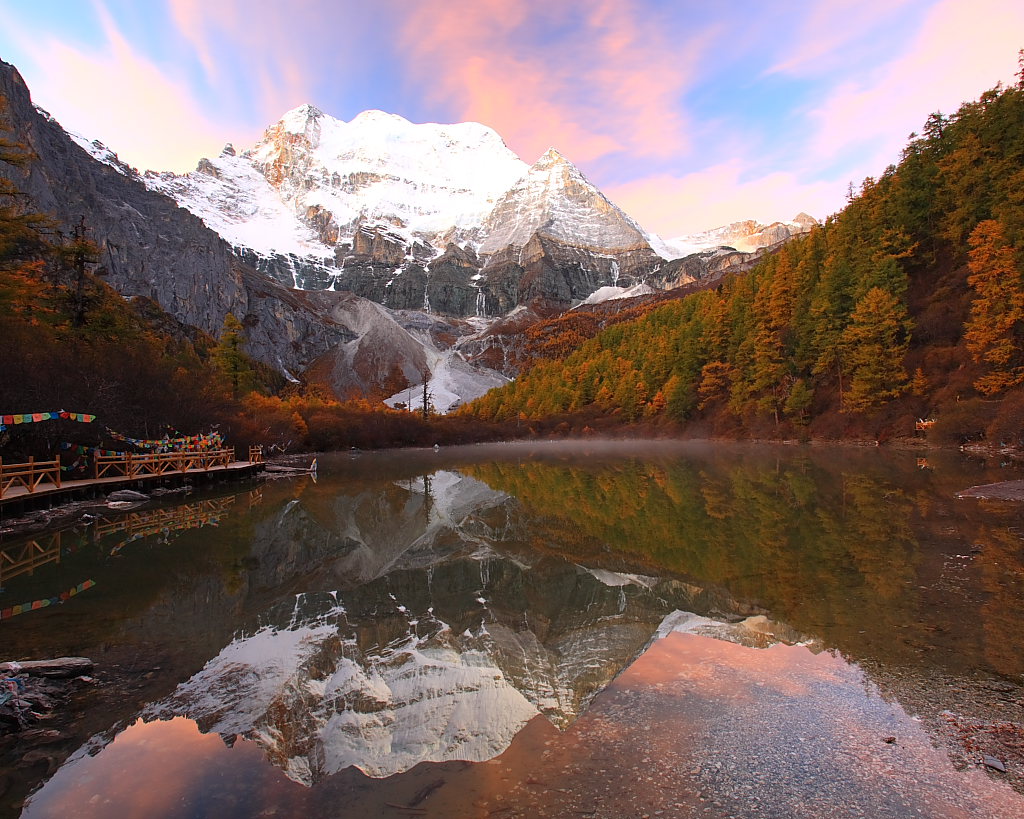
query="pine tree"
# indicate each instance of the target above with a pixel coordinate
(24, 240)
(995, 330)
(872, 347)
(798, 401)
(229, 358)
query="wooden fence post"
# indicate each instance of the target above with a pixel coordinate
(32, 473)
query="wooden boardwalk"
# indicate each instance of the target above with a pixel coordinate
(113, 482)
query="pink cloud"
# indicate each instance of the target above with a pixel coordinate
(960, 50)
(714, 196)
(266, 33)
(607, 81)
(829, 27)
(143, 112)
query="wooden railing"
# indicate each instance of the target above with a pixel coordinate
(28, 475)
(256, 454)
(160, 463)
(29, 556)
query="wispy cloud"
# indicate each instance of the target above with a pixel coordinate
(590, 78)
(685, 113)
(830, 28)
(960, 49)
(141, 110)
(264, 50)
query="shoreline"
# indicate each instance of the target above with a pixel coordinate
(43, 521)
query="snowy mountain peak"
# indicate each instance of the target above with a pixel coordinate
(298, 119)
(555, 199)
(551, 157)
(374, 115)
(312, 181)
(746, 236)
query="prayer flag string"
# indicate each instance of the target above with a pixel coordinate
(36, 417)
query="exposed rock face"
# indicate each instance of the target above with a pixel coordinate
(154, 249)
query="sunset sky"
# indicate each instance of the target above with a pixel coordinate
(687, 114)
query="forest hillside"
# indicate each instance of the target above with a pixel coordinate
(907, 306)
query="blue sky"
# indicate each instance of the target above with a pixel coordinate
(688, 114)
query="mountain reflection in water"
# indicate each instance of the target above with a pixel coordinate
(414, 607)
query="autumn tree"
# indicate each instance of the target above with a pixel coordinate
(771, 351)
(24, 241)
(995, 330)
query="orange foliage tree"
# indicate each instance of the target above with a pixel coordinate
(995, 330)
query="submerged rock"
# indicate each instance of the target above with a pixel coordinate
(128, 495)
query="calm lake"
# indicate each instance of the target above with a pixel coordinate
(554, 629)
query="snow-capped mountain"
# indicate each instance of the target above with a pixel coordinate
(746, 236)
(313, 181)
(554, 199)
(441, 224)
(442, 218)
(413, 216)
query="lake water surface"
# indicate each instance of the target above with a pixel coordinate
(554, 629)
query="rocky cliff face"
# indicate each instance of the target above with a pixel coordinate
(150, 247)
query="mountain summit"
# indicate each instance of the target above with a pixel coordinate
(313, 181)
(555, 199)
(443, 218)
